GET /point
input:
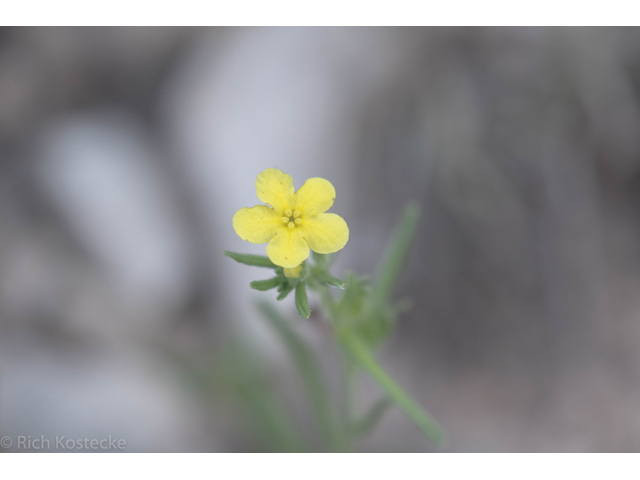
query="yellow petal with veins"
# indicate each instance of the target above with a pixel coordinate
(325, 233)
(314, 197)
(275, 188)
(288, 248)
(256, 224)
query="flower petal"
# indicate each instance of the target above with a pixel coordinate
(257, 224)
(325, 233)
(275, 188)
(315, 196)
(288, 248)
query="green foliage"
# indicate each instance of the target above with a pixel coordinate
(309, 371)
(365, 424)
(395, 257)
(285, 289)
(355, 292)
(362, 317)
(264, 285)
(362, 355)
(241, 380)
(251, 260)
(302, 303)
(329, 280)
(313, 277)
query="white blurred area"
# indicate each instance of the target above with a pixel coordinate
(125, 152)
(101, 173)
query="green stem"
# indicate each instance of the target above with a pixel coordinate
(361, 354)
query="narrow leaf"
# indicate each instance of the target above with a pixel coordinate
(249, 259)
(371, 419)
(396, 254)
(241, 377)
(362, 355)
(327, 279)
(302, 303)
(264, 285)
(308, 369)
(286, 290)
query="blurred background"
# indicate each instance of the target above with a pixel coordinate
(125, 152)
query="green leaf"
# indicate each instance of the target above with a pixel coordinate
(328, 279)
(308, 369)
(241, 378)
(396, 254)
(264, 285)
(302, 304)
(361, 354)
(287, 288)
(252, 260)
(371, 419)
(355, 292)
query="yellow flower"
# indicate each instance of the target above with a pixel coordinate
(297, 221)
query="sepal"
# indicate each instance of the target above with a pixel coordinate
(264, 285)
(329, 280)
(251, 260)
(287, 288)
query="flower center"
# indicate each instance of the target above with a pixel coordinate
(291, 219)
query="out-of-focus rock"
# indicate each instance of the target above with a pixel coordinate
(104, 176)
